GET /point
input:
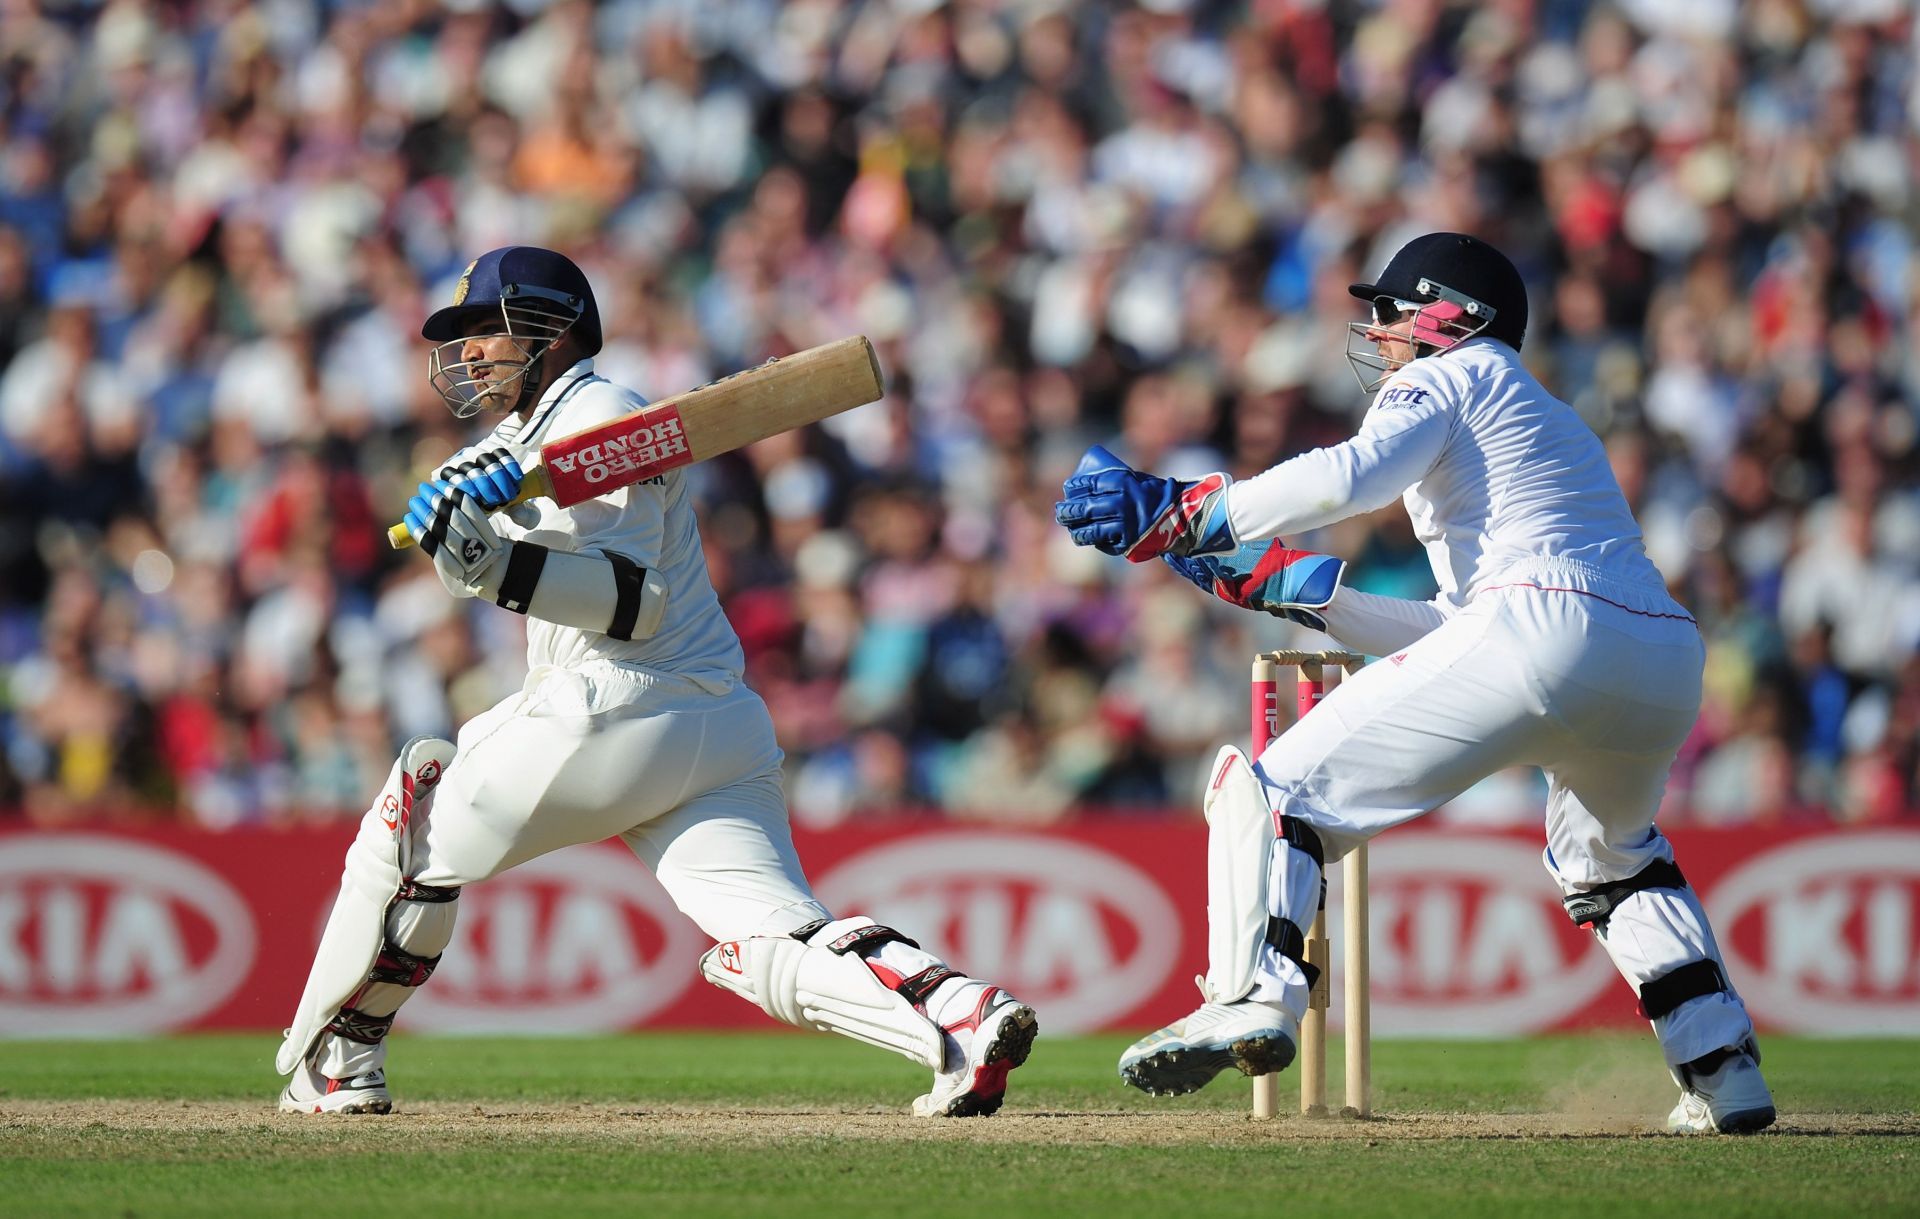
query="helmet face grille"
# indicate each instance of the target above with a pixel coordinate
(1445, 322)
(534, 319)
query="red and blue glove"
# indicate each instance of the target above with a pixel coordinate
(1266, 576)
(1116, 509)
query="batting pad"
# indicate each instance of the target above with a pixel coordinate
(813, 988)
(376, 865)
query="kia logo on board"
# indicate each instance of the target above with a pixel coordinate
(1819, 935)
(583, 940)
(111, 936)
(1082, 935)
(1469, 940)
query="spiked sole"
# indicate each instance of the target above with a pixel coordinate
(1748, 1122)
(1183, 1069)
(1011, 1044)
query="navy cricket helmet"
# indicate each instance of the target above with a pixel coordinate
(520, 275)
(535, 297)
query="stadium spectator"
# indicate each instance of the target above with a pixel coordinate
(220, 225)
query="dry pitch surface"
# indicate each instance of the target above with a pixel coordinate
(790, 1125)
(748, 1124)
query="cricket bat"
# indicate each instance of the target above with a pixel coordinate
(784, 393)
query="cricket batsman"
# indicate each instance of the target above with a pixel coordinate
(633, 721)
(1552, 643)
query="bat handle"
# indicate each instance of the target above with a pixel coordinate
(534, 485)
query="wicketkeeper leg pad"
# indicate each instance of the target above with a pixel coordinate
(821, 982)
(1263, 888)
(379, 942)
(1656, 933)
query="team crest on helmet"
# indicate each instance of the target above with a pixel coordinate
(460, 289)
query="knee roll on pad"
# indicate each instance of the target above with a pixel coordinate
(810, 984)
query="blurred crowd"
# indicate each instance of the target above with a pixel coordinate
(221, 224)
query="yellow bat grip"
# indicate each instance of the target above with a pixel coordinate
(532, 486)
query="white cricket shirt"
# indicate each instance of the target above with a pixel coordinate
(1504, 482)
(651, 522)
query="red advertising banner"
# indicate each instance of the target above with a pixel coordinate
(1100, 925)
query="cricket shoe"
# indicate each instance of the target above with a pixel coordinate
(311, 1092)
(1724, 1094)
(993, 1037)
(1254, 1038)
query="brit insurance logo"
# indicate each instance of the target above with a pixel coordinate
(1082, 935)
(1822, 935)
(111, 936)
(583, 940)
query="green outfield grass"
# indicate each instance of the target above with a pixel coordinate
(790, 1125)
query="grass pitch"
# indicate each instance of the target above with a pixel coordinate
(792, 1125)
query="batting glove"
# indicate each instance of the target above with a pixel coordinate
(1117, 509)
(453, 530)
(491, 477)
(1266, 576)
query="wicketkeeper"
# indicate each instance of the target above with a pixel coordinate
(634, 722)
(1553, 643)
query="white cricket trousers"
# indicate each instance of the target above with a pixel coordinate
(1596, 685)
(689, 780)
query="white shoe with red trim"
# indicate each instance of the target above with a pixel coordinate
(993, 1034)
(311, 1092)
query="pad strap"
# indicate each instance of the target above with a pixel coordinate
(857, 940)
(1668, 991)
(360, 1027)
(402, 968)
(1302, 837)
(919, 987)
(1285, 937)
(1595, 905)
(414, 891)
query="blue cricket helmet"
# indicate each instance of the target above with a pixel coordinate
(520, 277)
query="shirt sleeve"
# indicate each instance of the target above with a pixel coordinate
(1403, 435)
(1380, 626)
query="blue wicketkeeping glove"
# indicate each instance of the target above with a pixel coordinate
(1117, 509)
(491, 477)
(1293, 584)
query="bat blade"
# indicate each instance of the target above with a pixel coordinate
(616, 454)
(778, 396)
